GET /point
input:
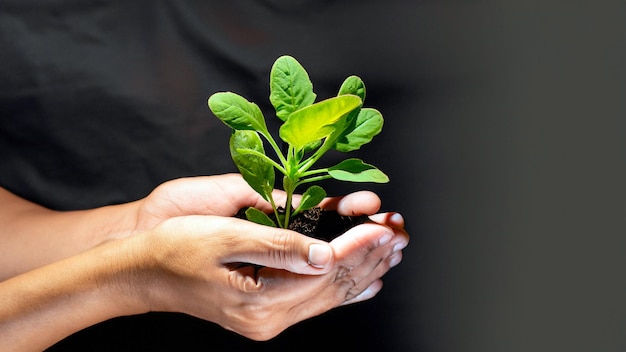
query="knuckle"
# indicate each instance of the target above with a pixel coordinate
(347, 286)
(353, 291)
(282, 246)
(244, 280)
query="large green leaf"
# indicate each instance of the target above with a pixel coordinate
(256, 170)
(316, 121)
(355, 170)
(237, 112)
(368, 124)
(290, 87)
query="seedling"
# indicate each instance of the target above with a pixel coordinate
(309, 130)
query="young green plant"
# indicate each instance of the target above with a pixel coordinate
(309, 130)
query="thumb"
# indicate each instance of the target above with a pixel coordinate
(284, 249)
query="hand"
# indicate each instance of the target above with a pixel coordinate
(33, 236)
(191, 263)
(221, 195)
(198, 269)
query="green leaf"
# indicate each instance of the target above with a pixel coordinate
(256, 170)
(353, 85)
(259, 217)
(310, 198)
(316, 121)
(355, 170)
(368, 124)
(237, 112)
(290, 87)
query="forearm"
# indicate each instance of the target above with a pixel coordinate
(43, 306)
(32, 236)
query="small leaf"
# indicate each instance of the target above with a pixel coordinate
(257, 171)
(355, 170)
(310, 198)
(290, 87)
(368, 124)
(259, 217)
(353, 85)
(237, 112)
(316, 121)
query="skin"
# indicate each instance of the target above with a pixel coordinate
(179, 250)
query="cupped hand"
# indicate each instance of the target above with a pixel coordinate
(194, 265)
(252, 279)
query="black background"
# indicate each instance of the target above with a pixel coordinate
(504, 141)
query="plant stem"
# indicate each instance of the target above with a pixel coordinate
(277, 150)
(289, 186)
(313, 179)
(315, 157)
(273, 203)
(314, 172)
(269, 160)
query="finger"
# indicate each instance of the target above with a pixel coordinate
(280, 248)
(371, 291)
(292, 287)
(351, 248)
(354, 204)
(376, 264)
(220, 195)
(370, 251)
(391, 219)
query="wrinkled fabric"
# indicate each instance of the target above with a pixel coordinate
(101, 101)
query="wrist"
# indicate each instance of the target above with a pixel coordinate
(129, 275)
(35, 236)
(110, 222)
(47, 304)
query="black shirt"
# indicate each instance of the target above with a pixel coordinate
(102, 101)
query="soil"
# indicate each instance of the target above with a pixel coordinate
(321, 224)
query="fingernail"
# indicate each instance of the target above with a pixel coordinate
(385, 238)
(399, 246)
(395, 259)
(397, 219)
(319, 255)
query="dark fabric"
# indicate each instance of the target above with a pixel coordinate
(102, 101)
(503, 139)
